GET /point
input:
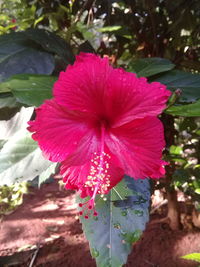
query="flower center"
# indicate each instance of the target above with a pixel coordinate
(98, 179)
(103, 121)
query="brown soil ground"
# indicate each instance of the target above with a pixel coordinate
(47, 222)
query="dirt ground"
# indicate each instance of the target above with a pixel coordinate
(45, 231)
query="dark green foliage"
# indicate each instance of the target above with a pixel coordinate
(147, 67)
(51, 43)
(19, 56)
(188, 83)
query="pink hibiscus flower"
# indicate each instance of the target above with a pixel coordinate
(101, 124)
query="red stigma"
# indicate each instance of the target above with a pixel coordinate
(88, 209)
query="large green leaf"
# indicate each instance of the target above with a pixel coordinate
(16, 123)
(122, 216)
(21, 159)
(150, 66)
(188, 83)
(190, 110)
(17, 55)
(52, 43)
(31, 90)
(44, 176)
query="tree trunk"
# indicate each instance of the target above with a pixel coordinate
(173, 209)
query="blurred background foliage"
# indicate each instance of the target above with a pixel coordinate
(124, 29)
(11, 197)
(158, 39)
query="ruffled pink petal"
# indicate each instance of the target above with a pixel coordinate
(114, 95)
(76, 177)
(82, 86)
(131, 98)
(88, 145)
(138, 146)
(58, 130)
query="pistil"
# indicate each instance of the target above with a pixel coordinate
(98, 179)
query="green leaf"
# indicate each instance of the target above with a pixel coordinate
(31, 90)
(47, 173)
(51, 43)
(18, 56)
(197, 191)
(187, 82)
(190, 110)
(122, 216)
(9, 102)
(147, 67)
(16, 123)
(110, 28)
(176, 150)
(192, 256)
(21, 159)
(3, 88)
